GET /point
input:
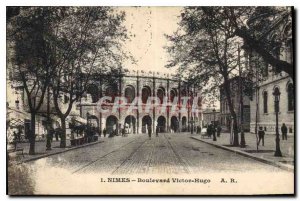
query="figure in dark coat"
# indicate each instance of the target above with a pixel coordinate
(261, 136)
(149, 131)
(284, 131)
(104, 132)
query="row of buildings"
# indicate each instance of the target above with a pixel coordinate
(258, 106)
(168, 115)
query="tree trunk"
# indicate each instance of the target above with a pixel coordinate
(63, 132)
(256, 114)
(32, 135)
(232, 112)
(235, 130)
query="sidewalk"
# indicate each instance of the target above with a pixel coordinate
(41, 152)
(264, 154)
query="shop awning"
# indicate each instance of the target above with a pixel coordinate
(80, 120)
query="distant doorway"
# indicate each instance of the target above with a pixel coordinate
(146, 122)
(161, 123)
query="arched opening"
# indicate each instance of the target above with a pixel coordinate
(111, 124)
(146, 122)
(129, 124)
(161, 124)
(112, 91)
(92, 89)
(160, 94)
(183, 94)
(173, 94)
(184, 124)
(291, 100)
(146, 93)
(129, 93)
(174, 124)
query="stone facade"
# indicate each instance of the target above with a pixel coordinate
(143, 85)
(265, 84)
(209, 116)
(266, 108)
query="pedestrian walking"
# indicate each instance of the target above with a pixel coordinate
(219, 129)
(261, 136)
(123, 132)
(149, 131)
(209, 130)
(156, 131)
(56, 134)
(284, 131)
(15, 139)
(104, 132)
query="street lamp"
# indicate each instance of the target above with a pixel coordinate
(214, 129)
(88, 124)
(276, 95)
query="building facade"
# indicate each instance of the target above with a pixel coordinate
(267, 79)
(169, 115)
(210, 116)
(263, 105)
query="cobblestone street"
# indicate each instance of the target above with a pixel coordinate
(137, 154)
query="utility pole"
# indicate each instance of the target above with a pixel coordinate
(243, 143)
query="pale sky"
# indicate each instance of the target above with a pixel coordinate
(147, 26)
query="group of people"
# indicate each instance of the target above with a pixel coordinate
(114, 132)
(150, 131)
(212, 130)
(261, 134)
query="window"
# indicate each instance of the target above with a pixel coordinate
(277, 54)
(289, 51)
(129, 94)
(265, 99)
(290, 92)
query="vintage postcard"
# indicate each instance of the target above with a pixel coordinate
(150, 100)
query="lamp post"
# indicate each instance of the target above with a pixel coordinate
(88, 130)
(276, 95)
(214, 128)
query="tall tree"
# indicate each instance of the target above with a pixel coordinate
(29, 38)
(208, 51)
(90, 41)
(264, 30)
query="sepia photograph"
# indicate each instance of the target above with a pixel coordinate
(150, 100)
